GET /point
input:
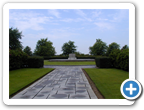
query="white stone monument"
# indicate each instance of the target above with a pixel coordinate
(72, 56)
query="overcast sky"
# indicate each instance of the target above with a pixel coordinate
(83, 26)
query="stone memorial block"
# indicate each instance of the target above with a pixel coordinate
(72, 56)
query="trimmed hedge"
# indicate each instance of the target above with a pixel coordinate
(55, 57)
(85, 57)
(17, 59)
(35, 62)
(120, 59)
(66, 57)
(103, 62)
(117, 59)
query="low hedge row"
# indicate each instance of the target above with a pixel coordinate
(66, 57)
(35, 62)
(103, 62)
(85, 57)
(117, 59)
(55, 57)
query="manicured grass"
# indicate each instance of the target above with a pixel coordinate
(46, 62)
(108, 81)
(21, 78)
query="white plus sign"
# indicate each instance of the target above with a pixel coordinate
(131, 89)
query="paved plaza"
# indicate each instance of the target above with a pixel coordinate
(65, 82)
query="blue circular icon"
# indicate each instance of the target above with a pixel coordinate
(130, 89)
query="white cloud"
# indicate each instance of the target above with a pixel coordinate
(88, 19)
(67, 20)
(104, 25)
(80, 12)
(65, 10)
(79, 19)
(120, 15)
(103, 19)
(54, 12)
(83, 15)
(96, 13)
(72, 20)
(29, 20)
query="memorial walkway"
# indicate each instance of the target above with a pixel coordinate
(65, 82)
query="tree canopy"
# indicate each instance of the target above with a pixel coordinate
(125, 47)
(27, 50)
(111, 47)
(14, 36)
(99, 48)
(44, 48)
(68, 48)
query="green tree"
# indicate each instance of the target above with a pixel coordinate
(68, 48)
(124, 47)
(79, 54)
(44, 48)
(14, 36)
(27, 50)
(111, 47)
(99, 48)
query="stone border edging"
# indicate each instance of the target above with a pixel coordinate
(96, 91)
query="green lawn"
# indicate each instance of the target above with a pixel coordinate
(46, 62)
(21, 78)
(108, 81)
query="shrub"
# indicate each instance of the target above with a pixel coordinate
(16, 59)
(24, 60)
(103, 62)
(35, 62)
(120, 59)
(123, 59)
(55, 57)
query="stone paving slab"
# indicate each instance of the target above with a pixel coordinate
(67, 66)
(65, 82)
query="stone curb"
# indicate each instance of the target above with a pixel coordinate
(94, 88)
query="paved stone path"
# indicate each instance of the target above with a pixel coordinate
(65, 82)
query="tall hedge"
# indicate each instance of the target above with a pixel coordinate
(17, 59)
(120, 59)
(123, 59)
(113, 56)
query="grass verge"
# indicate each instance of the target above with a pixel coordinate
(46, 62)
(108, 81)
(21, 78)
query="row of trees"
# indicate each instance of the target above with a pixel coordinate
(44, 47)
(100, 48)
